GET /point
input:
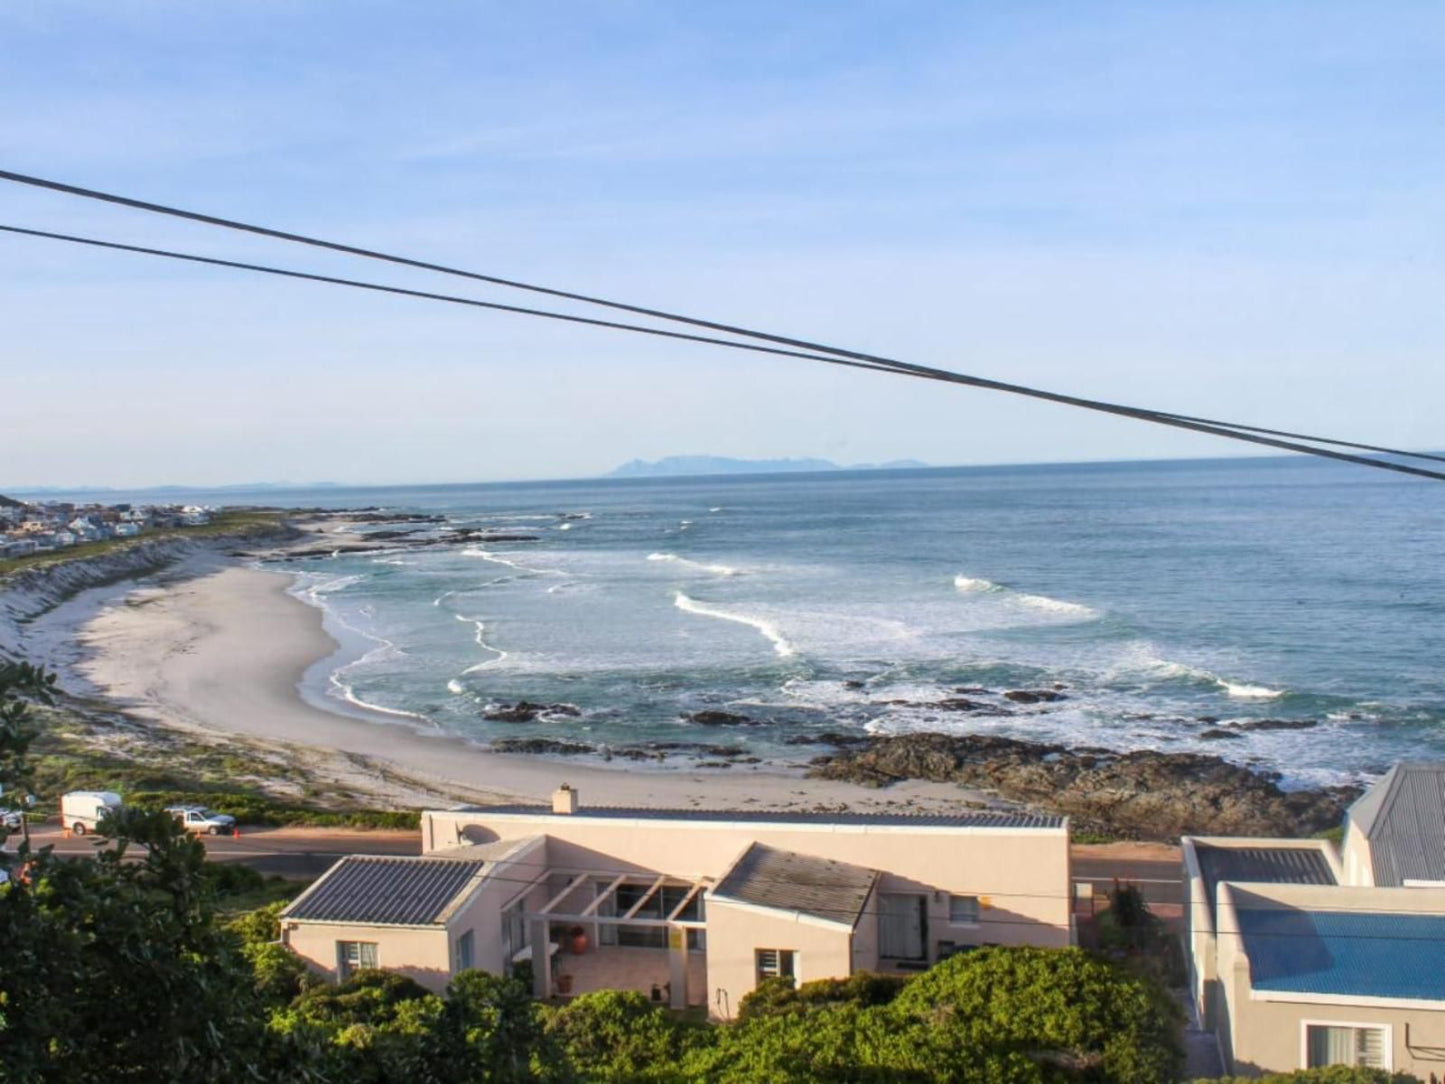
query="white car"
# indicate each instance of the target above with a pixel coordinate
(197, 818)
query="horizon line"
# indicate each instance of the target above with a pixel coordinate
(58, 490)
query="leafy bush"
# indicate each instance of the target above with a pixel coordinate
(863, 988)
(1333, 1074)
(616, 1035)
(1058, 1006)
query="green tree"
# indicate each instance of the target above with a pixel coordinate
(1079, 1017)
(622, 1036)
(1333, 1074)
(490, 1031)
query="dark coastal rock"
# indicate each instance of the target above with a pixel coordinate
(524, 711)
(827, 737)
(469, 535)
(661, 750)
(853, 683)
(1215, 734)
(1275, 724)
(541, 746)
(718, 718)
(1034, 696)
(954, 703)
(1143, 794)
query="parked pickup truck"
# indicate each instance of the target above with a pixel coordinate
(197, 818)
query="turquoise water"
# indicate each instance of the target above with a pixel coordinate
(1157, 595)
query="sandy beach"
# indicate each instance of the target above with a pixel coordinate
(221, 651)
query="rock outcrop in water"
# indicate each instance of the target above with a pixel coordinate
(524, 711)
(1139, 795)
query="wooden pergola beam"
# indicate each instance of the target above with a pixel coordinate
(602, 896)
(661, 880)
(560, 896)
(693, 891)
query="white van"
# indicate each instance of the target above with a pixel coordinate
(81, 810)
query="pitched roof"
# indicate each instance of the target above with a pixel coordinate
(972, 818)
(801, 883)
(1261, 865)
(1364, 954)
(1403, 817)
(387, 891)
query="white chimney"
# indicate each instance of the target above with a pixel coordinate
(564, 799)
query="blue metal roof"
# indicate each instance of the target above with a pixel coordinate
(1364, 954)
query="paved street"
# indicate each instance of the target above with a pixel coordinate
(289, 852)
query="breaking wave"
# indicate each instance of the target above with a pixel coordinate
(770, 631)
(976, 585)
(717, 570)
(1241, 691)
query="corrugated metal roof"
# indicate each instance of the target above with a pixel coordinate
(1261, 865)
(1364, 954)
(973, 818)
(1403, 817)
(387, 891)
(770, 877)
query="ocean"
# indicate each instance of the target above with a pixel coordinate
(1165, 603)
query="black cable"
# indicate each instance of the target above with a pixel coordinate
(873, 360)
(1222, 429)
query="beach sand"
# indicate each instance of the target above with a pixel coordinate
(221, 652)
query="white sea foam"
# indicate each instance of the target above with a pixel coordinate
(717, 570)
(1044, 604)
(970, 584)
(481, 627)
(716, 509)
(769, 630)
(1241, 691)
(564, 526)
(1073, 611)
(497, 558)
(455, 687)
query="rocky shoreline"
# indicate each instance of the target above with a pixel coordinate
(1143, 794)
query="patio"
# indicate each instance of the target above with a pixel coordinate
(616, 967)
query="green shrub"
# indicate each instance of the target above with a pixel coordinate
(863, 988)
(1333, 1074)
(1060, 1006)
(617, 1035)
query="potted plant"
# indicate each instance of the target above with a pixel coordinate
(577, 940)
(564, 984)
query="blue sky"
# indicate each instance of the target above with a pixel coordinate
(1226, 209)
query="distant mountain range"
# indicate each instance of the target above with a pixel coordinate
(675, 466)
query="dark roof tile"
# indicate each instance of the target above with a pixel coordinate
(387, 891)
(1261, 865)
(770, 877)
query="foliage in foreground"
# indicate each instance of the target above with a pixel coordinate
(123, 970)
(1334, 1074)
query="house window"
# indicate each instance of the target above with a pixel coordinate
(466, 951)
(963, 910)
(777, 964)
(353, 956)
(1329, 1044)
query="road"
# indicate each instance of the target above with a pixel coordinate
(1156, 869)
(289, 852)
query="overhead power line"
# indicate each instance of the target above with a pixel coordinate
(1228, 430)
(712, 325)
